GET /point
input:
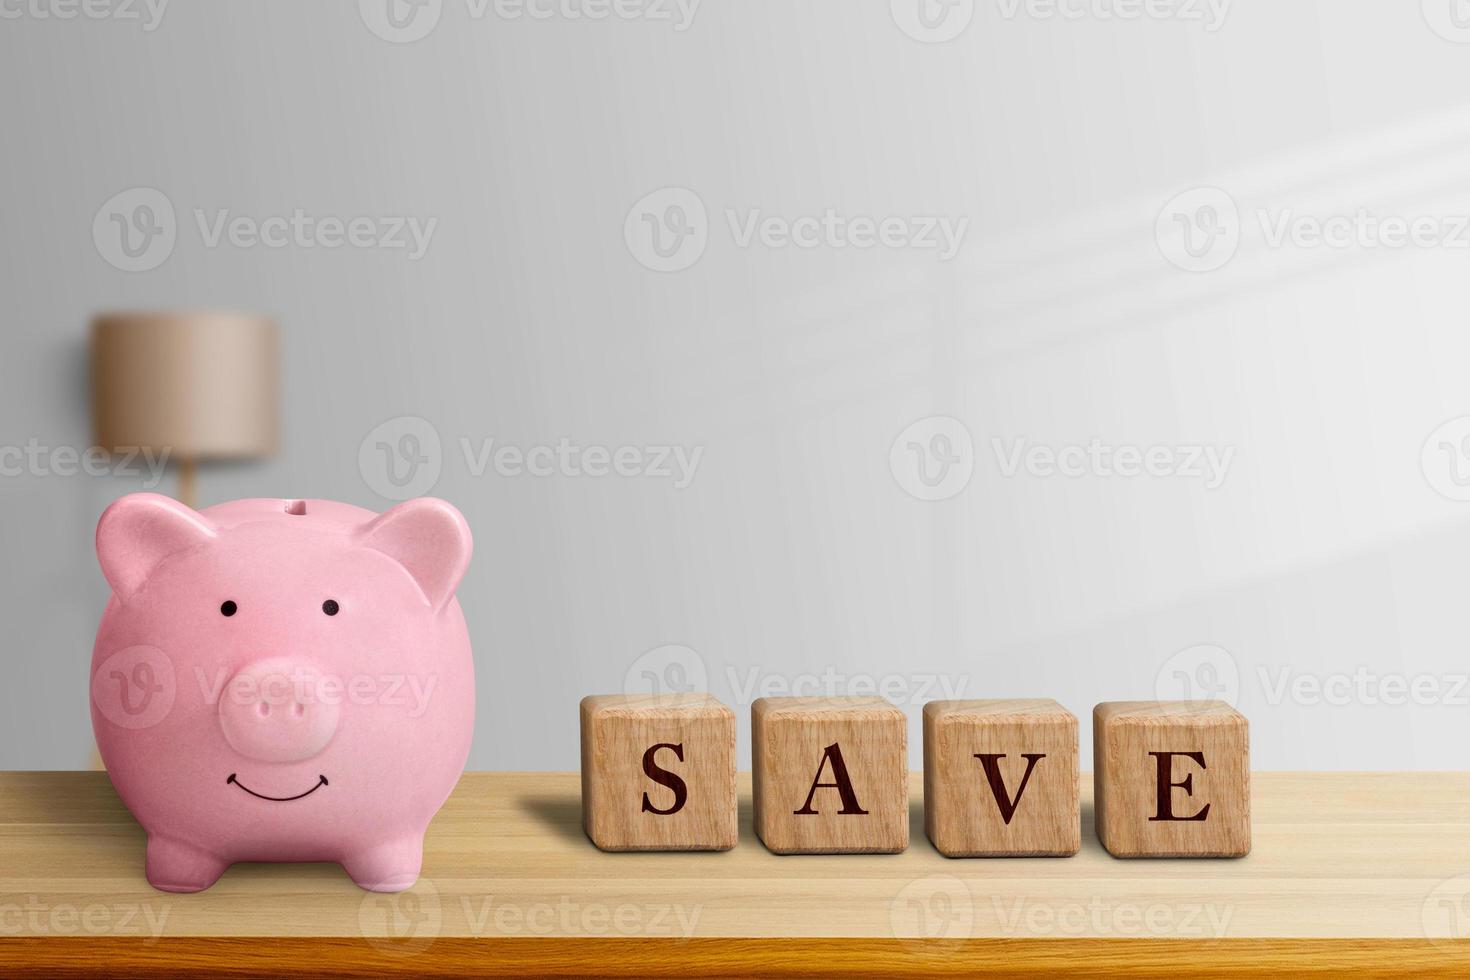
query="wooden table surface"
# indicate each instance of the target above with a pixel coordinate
(1367, 872)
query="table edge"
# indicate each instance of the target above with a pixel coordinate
(76, 956)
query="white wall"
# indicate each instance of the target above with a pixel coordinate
(797, 553)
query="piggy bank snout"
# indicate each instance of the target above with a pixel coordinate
(279, 710)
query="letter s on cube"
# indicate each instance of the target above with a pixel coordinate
(658, 772)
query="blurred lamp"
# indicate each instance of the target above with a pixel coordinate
(196, 386)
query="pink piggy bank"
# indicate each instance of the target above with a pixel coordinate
(283, 681)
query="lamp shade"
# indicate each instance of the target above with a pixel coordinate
(196, 385)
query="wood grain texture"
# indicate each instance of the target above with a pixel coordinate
(1361, 873)
(830, 775)
(1031, 747)
(1165, 959)
(1173, 779)
(621, 804)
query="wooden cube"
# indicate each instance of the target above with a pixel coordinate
(1172, 779)
(658, 772)
(1001, 779)
(830, 775)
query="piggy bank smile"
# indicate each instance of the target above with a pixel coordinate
(234, 781)
(254, 652)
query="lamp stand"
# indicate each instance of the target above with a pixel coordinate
(189, 482)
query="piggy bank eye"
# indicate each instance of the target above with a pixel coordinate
(330, 607)
(228, 608)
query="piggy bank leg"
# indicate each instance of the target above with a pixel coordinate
(388, 867)
(176, 867)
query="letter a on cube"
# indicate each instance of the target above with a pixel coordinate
(1172, 779)
(831, 775)
(658, 772)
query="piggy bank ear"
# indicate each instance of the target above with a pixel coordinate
(139, 531)
(430, 539)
